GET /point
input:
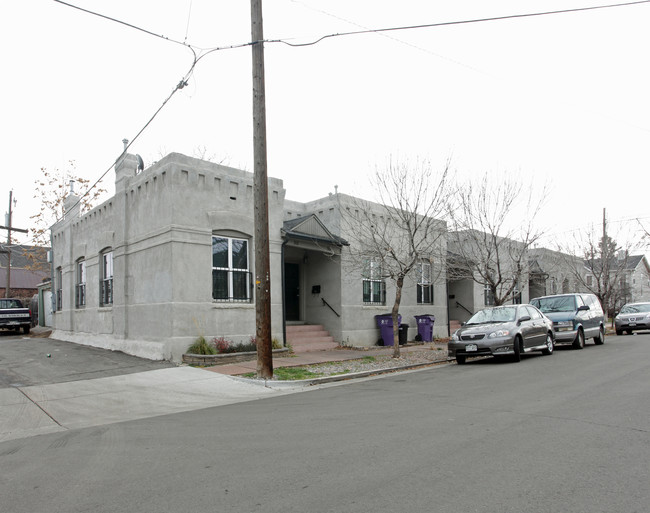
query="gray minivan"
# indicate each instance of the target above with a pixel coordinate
(575, 317)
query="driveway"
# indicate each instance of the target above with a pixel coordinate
(33, 360)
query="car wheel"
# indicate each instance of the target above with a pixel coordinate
(460, 360)
(619, 332)
(550, 345)
(26, 329)
(579, 342)
(517, 348)
(600, 339)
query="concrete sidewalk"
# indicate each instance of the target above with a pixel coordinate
(34, 410)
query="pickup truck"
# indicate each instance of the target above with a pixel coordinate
(14, 316)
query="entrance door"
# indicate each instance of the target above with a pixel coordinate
(292, 291)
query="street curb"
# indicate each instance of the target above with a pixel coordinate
(339, 377)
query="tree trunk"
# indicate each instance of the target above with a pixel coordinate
(398, 298)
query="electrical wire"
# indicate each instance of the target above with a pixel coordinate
(206, 52)
(135, 27)
(459, 22)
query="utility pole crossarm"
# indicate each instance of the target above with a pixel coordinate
(21, 230)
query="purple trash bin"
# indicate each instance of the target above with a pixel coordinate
(385, 325)
(425, 326)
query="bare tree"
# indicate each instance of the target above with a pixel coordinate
(390, 238)
(492, 232)
(645, 233)
(600, 268)
(51, 189)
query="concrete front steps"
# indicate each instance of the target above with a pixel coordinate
(305, 338)
(453, 326)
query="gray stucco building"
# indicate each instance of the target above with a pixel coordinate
(171, 256)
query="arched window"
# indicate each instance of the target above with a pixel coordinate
(231, 279)
(106, 277)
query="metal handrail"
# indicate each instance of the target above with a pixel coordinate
(463, 307)
(330, 307)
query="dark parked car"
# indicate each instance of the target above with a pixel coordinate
(633, 316)
(575, 317)
(503, 331)
(13, 315)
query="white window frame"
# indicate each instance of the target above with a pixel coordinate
(425, 283)
(233, 274)
(488, 297)
(373, 282)
(106, 278)
(80, 283)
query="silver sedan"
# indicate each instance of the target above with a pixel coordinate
(503, 331)
(632, 317)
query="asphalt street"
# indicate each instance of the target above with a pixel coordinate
(567, 432)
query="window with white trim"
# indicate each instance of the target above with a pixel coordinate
(106, 278)
(80, 284)
(488, 296)
(231, 278)
(374, 286)
(425, 285)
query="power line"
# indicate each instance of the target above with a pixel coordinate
(154, 34)
(206, 52)
(459, 22)
(135, 27)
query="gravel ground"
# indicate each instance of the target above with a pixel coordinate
(409, 355)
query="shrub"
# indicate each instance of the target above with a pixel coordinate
(200, 346)
(221, 344)
(275, 344)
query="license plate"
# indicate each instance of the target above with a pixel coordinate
(471, 347)
(632, 324)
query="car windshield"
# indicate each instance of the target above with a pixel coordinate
(556, 304)
(640, 308)
(10, 303)
(505, 314)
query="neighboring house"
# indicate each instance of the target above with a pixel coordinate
(343, 289)
(171, 256)
(475, 260)
(29, 268)
(637, 278)
(554, 272)
(632, 274)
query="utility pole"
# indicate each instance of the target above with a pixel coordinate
(605, 264)
(261, 197)
(9, 229)
(8, 284)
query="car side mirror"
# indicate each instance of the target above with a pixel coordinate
(583, 308)
(524, 318)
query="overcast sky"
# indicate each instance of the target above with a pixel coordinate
(561, 99)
